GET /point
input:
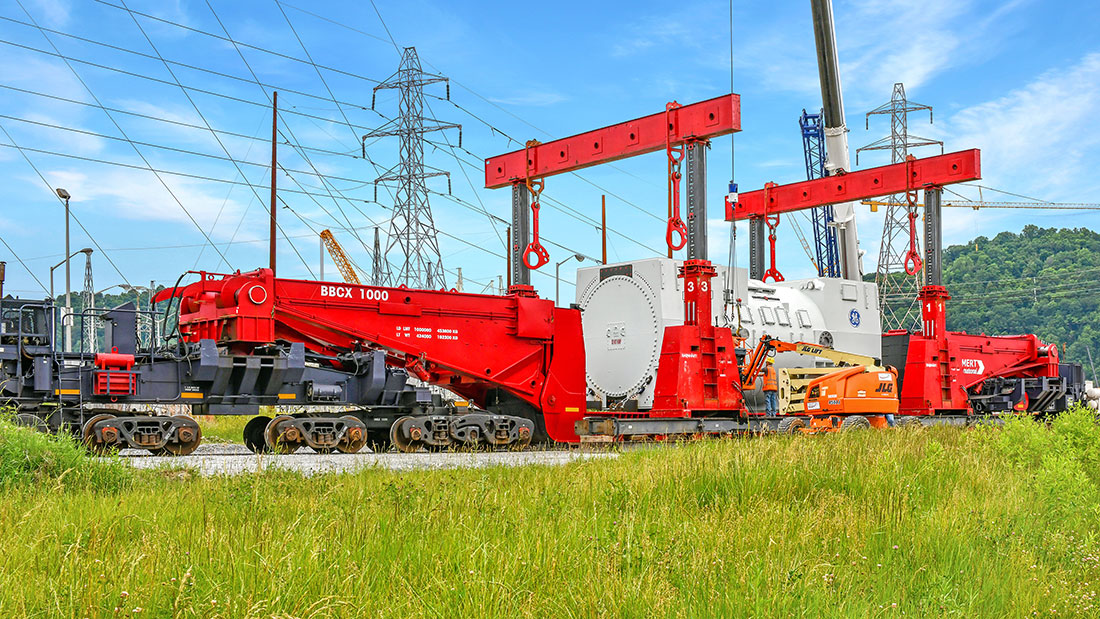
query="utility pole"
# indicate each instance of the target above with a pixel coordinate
(68, 328)
(897, 287)
(3, 265)
(274, 176)
(412, 229)
(603, 226)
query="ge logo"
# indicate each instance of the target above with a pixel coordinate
(853, 317)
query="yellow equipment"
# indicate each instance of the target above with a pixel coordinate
(856, 393)
(339, 257)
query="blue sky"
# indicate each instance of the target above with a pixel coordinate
(1018, 79)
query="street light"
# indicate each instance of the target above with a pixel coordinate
(68, 294)
(557, 275)
(65, 195)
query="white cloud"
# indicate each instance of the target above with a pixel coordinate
(138, 195)
(1032, 138)
(880, 42)
(54, 12)
(55, 139)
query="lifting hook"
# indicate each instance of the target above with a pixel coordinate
(535, 255)
(913, 262)
(676, 224)
(772, 221)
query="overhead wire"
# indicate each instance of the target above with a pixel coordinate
(120, 130)
(212, 93)
(484, 210)
(243, 136)
(53, 192)
(555, 204)
(187, 88)
(177, 63)
(240, 43)
(183, 151)
(221, 208)
(300, 153)
(16, 254)
(491, 127)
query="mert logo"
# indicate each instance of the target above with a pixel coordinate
(973, 366)
(853, 317)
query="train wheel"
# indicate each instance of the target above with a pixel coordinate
(524, 440)
(790, 425)
(356, 437)
(188, 436)
(92, 441)
(275, 436)
(400, 441)
(254, 435)
(854, 422)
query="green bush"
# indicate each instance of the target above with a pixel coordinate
(1061, 458)
(30, 458)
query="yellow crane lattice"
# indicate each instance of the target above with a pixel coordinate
(339, 257)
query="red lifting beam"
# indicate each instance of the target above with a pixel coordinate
(699, 121)
(935, 171)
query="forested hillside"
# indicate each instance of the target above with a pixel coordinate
(1042, 281)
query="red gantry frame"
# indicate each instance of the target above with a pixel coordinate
(935, 171)
(698, 121)
(769, 203)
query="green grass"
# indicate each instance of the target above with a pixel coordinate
(942, 522)
(222, 428)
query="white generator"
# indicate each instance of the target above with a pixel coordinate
(626, 307)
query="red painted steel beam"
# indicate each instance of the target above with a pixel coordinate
(940, 170)
(702, 121)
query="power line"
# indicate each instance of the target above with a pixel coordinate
(300, 152)
(161, 170)
(483, 98)
(178, 123)
(13, 252)
(54, 193)
(351, 201)
(316, 68)
(183, 151)
(384, 26)
(69, 59)
(557, 204)
(209, 128)
(121, 131)
(239, 43)
(177, 63)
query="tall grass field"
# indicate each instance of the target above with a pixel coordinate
(988, 522)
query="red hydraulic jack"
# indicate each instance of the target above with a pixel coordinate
(698, 371)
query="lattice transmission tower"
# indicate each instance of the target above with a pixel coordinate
(412, 253)
(88, 325)
(897, 289)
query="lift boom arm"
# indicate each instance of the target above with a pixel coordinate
(756, 360)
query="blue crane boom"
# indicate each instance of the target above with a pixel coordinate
(825, 242)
